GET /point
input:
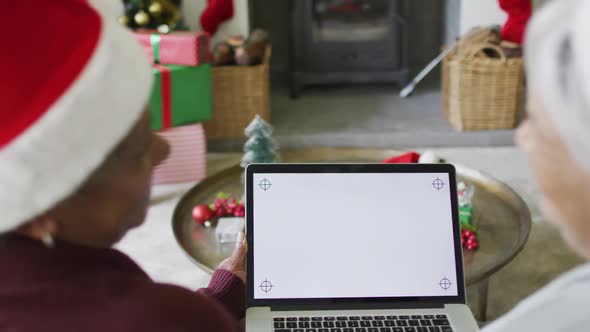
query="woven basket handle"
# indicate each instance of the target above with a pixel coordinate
(476, 49)
(267, 53)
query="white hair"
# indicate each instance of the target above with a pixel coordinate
(557, 56)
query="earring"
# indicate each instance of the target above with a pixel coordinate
(47, 240)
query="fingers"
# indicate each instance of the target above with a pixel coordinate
(241, 246)
(236, 263)
(241, 239)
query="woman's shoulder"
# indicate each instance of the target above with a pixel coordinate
(563, 305)
(152, 305)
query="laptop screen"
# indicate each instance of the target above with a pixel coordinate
(352, 235)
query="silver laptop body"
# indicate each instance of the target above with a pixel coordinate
(354, 248)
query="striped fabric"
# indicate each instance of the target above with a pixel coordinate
(188, 156)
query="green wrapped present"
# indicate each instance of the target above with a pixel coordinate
(181, 95)
(465, 212)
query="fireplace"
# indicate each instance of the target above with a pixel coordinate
(348, 41)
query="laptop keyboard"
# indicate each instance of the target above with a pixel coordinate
(413, 323)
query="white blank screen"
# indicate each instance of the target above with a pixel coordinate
(352, 235)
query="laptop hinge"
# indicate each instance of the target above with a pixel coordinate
(355, 306)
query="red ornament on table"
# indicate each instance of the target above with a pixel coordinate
(469, 239)
(224, 207)
(202, 213)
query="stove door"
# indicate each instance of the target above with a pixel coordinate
(347, 35)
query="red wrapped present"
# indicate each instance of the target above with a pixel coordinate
(188, 155)
(176, 48)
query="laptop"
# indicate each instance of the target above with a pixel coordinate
(354, 248)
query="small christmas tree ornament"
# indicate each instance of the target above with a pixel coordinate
(124, 20)
(164, 29)
(142, 18)
(260, 146)
(163, 15)
(155, 9)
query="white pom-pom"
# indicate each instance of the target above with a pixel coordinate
(428, 157)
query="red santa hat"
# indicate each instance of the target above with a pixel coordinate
(73, 82)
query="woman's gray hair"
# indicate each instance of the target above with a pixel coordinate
(557, 56)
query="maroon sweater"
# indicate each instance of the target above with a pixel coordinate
(73, 288)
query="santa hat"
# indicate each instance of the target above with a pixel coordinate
(73, 82)
(558, 70)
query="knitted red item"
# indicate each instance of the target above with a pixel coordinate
(217, 12)
(519, 12)
(406, 158)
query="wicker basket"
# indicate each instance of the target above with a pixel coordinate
(482, 93)
(239, 93)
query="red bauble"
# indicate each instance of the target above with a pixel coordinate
(469, 239)
(220, 212)
(220, 203)
(239, 210)
(202, 213)
(232, 206)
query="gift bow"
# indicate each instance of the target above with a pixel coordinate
(155, 41)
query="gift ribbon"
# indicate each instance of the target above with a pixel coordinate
(166, 93)
(155, 41)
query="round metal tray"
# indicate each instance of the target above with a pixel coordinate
(501, 216)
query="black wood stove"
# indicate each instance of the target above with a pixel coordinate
(348, 41)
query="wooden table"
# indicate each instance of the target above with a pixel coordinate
(502, 218)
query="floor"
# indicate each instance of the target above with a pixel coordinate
(544, 257)
(365, 116)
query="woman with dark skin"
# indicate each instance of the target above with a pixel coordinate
(113, 201)
(76, 160)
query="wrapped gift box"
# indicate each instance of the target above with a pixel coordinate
(181, 95)
(176, 48)
(187, 161)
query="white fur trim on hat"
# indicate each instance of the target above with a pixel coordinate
(558, 70)
(56, 155)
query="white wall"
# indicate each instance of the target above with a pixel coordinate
(237, 25)
(480, 13)
(463, 15)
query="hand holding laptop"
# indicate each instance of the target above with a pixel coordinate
(236, 263)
